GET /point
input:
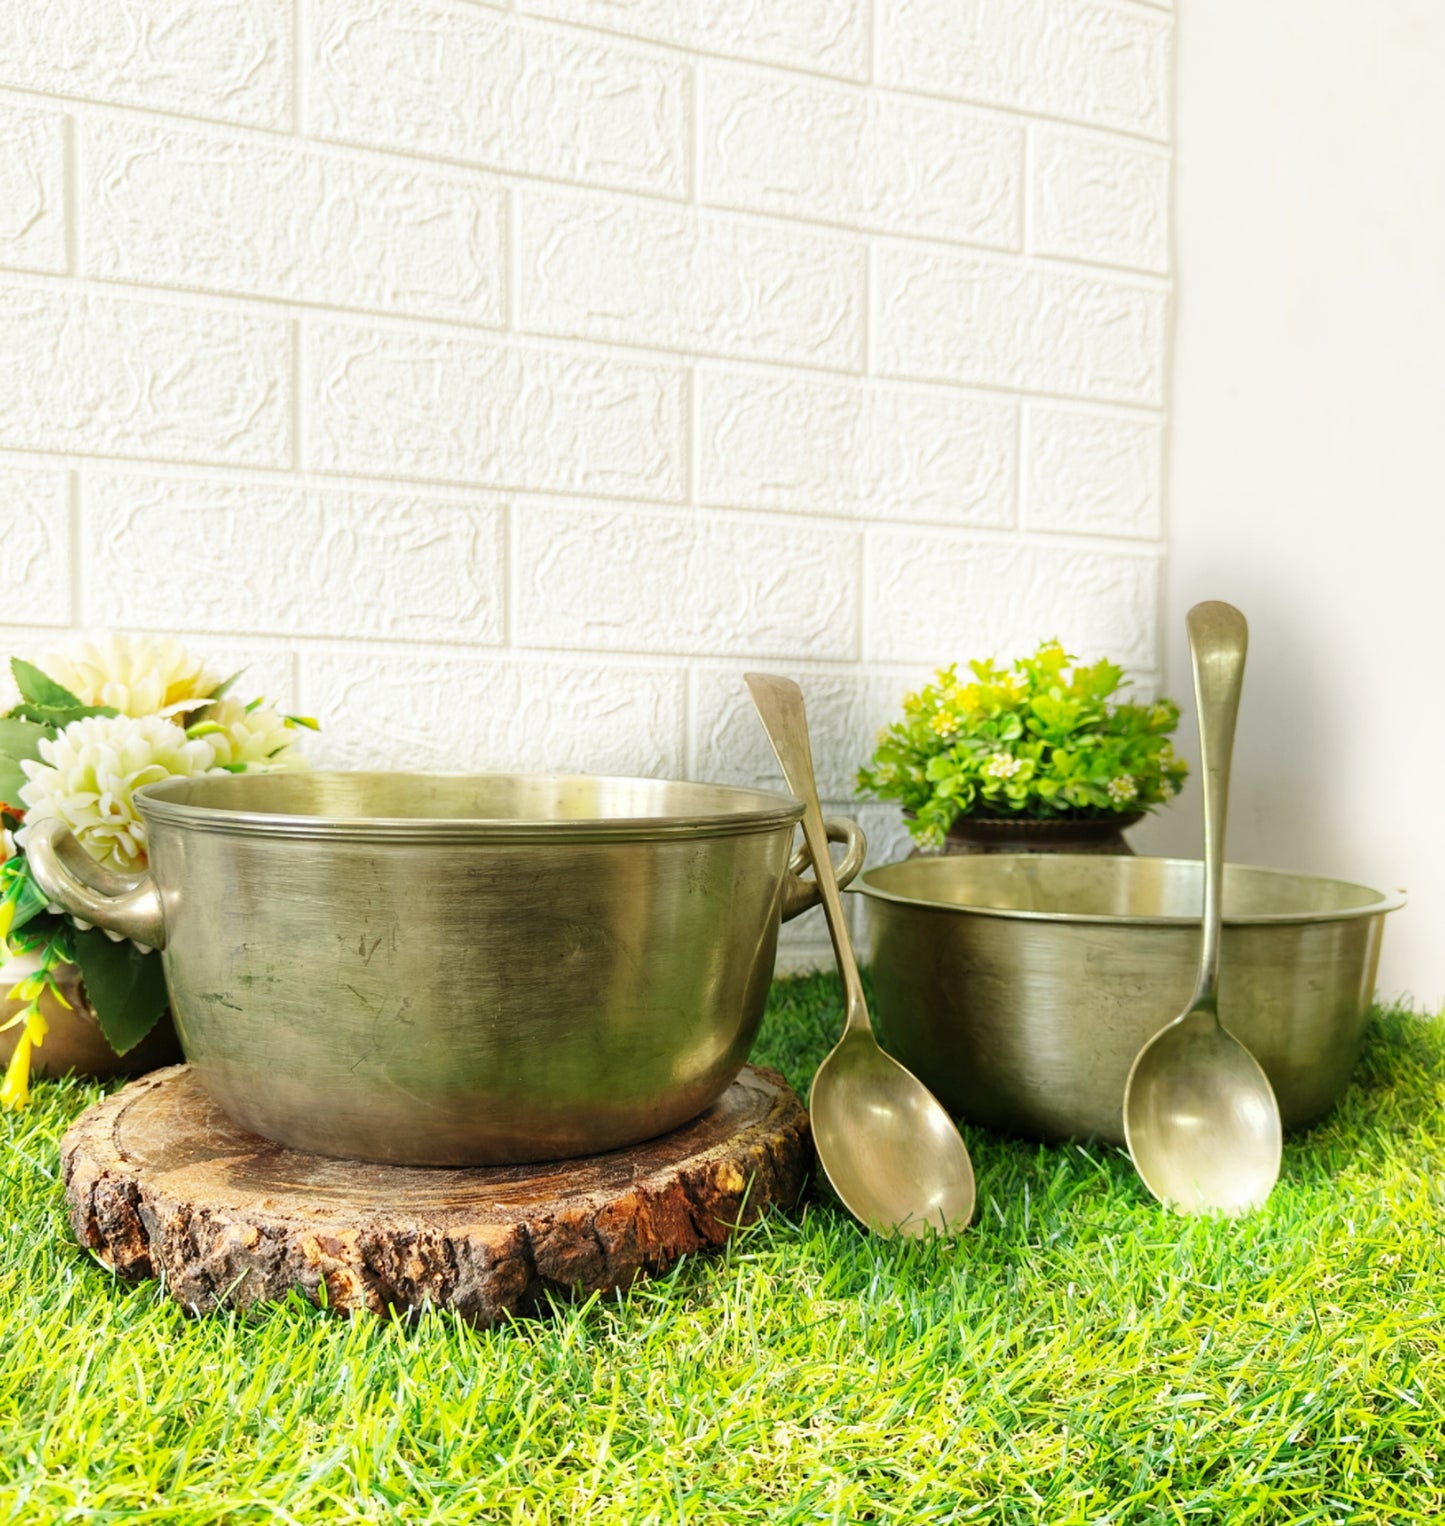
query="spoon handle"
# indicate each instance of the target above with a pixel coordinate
(779, 703)
(1218, 641)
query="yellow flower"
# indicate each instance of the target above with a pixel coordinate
(137, 675)
(16, 1090)
(26, 989)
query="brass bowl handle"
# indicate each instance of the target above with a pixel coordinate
(800, 895)
(128, 904)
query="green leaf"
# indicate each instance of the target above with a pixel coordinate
(19, 891)
(55, 717)
(223, 689)
(12, 780)
(127, 988)
(1053, 715)
(19, 741)
(40, 689)
(22, 739)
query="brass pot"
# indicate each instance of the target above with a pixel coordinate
(74, 1043)
(443, 969)
(1020, 987)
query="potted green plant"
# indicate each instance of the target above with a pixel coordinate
(90, 728)
(1033, 757)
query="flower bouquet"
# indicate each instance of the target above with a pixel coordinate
(90, 728)
(1042, 740)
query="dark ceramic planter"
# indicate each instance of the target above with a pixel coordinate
(981, 834)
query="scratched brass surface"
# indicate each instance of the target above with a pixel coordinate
(450, 969)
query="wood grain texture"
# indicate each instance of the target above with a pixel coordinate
(161, 1184)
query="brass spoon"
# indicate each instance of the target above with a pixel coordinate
(1200, 1116)
(886, 1144)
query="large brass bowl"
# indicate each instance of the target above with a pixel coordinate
(441, 969)
(1020, 987)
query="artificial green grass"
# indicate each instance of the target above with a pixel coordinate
(1080, 1356)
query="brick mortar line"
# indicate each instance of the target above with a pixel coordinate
(1134, 549)
(679, 53)
(526, 342)
(299, 382)
(622, 350)
(70, 197)
(906, 92)
(501, 179)
(511, 571)
(76, 487)
(663, 664)
(300, 58)
(514, 500)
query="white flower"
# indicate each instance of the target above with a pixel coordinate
(256, 739)
(137, 675)
(1122, 788)
(1000, 766)
(91, 770)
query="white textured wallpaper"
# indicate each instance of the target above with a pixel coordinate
(502, 382)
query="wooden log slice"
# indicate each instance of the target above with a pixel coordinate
(161, 1183)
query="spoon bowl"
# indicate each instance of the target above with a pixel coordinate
(886, 1144)
(1204, 1124)
(1200, 1116)
(888, 1148)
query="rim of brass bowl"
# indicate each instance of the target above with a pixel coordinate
(439, 806)
(1007, 871)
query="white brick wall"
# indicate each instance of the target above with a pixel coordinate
(1099, 61)
(32, 189)
(264, 218)
(829, 153)
(502, 381)
(452, 80)
(711, 283)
